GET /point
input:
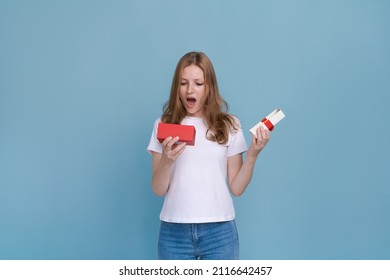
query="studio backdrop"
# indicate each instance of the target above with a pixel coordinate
(82, 82)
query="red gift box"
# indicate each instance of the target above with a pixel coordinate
(186, 133)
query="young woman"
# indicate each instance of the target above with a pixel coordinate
(197, 218)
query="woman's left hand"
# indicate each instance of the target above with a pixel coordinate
(263, 136)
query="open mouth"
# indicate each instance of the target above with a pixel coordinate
(191, 101)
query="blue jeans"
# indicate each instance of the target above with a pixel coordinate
(205, 241)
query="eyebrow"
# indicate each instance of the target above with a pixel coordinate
(194, 79)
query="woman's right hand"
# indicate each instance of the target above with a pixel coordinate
(171, 150)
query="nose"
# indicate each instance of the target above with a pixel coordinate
(190, 88)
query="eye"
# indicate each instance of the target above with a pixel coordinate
(183, 83)
(199, 84)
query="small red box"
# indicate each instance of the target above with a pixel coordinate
(186, 133)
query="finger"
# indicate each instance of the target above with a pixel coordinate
(262, 138)
(172, 141)
(254, 139)
(165, 142)
(267, 134)
(264, 133)
(179, 149)
(259, 133)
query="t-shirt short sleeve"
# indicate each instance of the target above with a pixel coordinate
(237, 143)
(154, 144)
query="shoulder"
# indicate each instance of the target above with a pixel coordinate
(235, 123)
(157, 121)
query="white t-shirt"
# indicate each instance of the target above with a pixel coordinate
(198, 190)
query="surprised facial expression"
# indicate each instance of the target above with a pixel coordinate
(193, 90)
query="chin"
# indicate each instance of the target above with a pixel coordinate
(194, 113)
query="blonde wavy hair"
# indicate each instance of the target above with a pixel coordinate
(218, 121)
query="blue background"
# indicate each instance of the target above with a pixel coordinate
(81, 83)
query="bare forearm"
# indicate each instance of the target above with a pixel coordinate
(162, 165)
(242, 173)
(161, 179)
(244, 176)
